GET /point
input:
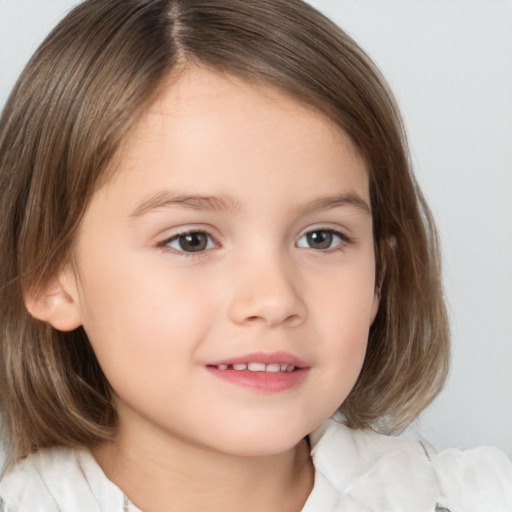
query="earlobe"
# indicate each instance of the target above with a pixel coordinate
(57, 304)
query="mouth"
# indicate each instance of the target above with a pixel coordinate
(258, 367)
(266, 373)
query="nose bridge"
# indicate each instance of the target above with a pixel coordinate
(266, 291)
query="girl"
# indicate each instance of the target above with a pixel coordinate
(219, 279)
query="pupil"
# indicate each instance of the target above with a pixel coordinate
(320, 239)
(193, 242)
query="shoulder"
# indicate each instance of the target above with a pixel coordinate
(477, 479)
(59, 479)
(389, 473)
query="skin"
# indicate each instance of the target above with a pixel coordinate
(157, 315)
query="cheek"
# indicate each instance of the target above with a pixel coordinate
(345, 347)
(346, 299)
(138, 322)
(344, 316)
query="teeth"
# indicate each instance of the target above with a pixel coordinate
(259, 367)
(256, 367)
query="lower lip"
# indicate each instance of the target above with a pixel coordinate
(266, 382)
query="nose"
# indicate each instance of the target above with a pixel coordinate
(266, 293)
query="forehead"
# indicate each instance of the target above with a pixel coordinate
(218, 131)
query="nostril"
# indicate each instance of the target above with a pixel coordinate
(293, 320)
(253, 318)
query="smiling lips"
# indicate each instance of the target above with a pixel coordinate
(258, 367)
(267, 373)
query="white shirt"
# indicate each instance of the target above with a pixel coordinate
(355, 471)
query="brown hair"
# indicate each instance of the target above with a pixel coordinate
(62, 127)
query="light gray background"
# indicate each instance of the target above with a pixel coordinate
(450, 65)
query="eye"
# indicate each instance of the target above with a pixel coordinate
(321, 239)
(194, 241)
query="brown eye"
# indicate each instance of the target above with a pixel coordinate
(196, 241)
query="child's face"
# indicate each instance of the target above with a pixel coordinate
(236, 230)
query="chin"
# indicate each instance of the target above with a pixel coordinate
(259, 441)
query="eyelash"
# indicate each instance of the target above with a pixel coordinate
(165, 244)
(344, 240)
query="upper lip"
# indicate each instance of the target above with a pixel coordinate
(280, 357)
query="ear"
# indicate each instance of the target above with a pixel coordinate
(375, 306)
(389, 245)
(57, 303)
(377, 294)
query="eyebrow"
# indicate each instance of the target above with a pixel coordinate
(192, 202)
(335, 201)
(163, 200)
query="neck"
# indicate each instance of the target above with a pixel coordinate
(173, 476)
